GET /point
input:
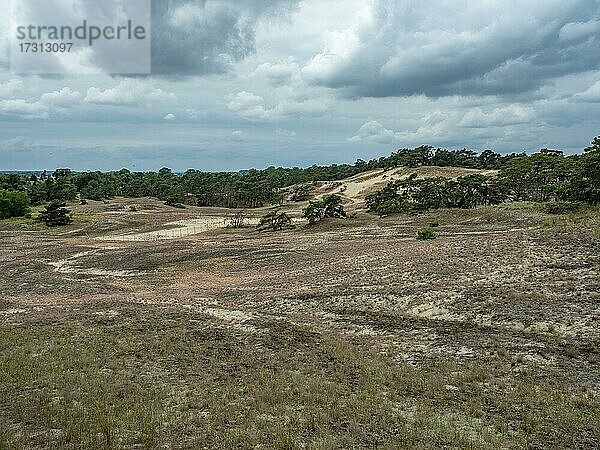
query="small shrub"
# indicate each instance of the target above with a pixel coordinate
(330, 206)
(425, 234)
(275, 221)
(83, 201)
(174, 202)
(238, 220)
(133, 208)
(434, 224)
(561, 207)
(55, 215)
(572, 352)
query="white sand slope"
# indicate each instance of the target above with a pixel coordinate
(354, 189)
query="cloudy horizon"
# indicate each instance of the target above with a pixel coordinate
(301, 82)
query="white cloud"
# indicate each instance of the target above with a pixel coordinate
(170, 117)
(251, 106)
(277, 74)
(285, 133)
(575, 31)
(128, 92)
(590, 95)
(498, 117)
(375, 132)
(17, 143)
(23, 108)
(10, 87)
(63, 98)
(237, 136)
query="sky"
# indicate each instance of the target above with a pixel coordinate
(253, 83)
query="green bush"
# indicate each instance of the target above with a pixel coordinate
(425, 234)
(13, 204)
(275, 221)
(330, 206)
(174, 202)
(413, 195)
(434, 224)
(55, 215)
(562, 207)
(301, 193)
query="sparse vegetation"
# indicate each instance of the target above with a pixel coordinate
(350, 334)
(55, 214)
(426, 234)
(275, 221)
(329, 206)
(237, 220)
(301, 193)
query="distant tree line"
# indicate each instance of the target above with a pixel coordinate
(547, 175)
(542, 176)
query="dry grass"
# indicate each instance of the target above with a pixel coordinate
(348, 334)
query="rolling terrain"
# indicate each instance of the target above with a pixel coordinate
(123, 330)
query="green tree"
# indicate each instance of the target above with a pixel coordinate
(329, 206)
(275, 221)
(55, 214)
(13, 204)
(594, 147)
(584, 185)
(301, 193)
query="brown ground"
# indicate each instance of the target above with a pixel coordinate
(510, 292)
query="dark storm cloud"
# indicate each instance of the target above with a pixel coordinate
(446, 48)
(197, 37)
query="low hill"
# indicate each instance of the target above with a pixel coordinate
(355, 188)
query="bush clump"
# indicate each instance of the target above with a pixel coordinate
(562, 207)
(330, 206)
(237, 220)
(174, 202)
(55, 215)
(301, 193)
(426, 234)
(13, 204)
(275, 221)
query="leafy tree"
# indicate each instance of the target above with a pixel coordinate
(412, 195)
(540, 177)
(13, 182)
(13, 204)
(594, 147)
(55, 214)
(584, 185)
(61, 173)
(275, 221)
(301, 193)
(329, 206)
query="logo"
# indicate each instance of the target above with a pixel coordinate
(81, 36)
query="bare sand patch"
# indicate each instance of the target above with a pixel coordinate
(69, 266)
(177, 229)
